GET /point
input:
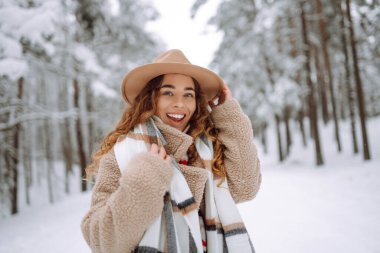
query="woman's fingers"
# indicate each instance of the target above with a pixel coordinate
(160, 151)
(154, 148)
(168, 160)
(224, 95)
(165, 156)
(227, 91)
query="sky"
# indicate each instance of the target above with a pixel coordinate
(194, 37)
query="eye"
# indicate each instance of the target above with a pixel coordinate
(189, 95)
(167, 93)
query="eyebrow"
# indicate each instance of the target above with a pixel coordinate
(171, 86)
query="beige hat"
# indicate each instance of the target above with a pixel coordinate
(170, 62)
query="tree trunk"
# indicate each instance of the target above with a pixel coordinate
(48, 138)
(342, 98)
(263, 134)
(67, 154)
(287, 128)
(286, 109)
(321, 86)
(27, 169)
(359, 86)
(26, 159)
(66, 140)
(300, 117)
(279, 142)
(49, 159)
(90, 122)
(3, 172)
(11, 176)
(14, 159)
(326, 58)
(294, 53)
(276, 116)
(79, 134)
(310, 96)
(33, 134)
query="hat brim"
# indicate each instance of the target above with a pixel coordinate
(133, 83)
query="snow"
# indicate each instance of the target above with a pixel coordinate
(304, 208)
(101, 89)
(50, 228)
(300, 208)
(11, 64)
(10, 47)
(13, 68)
(40, 25)
(88, 58)
(285, 93)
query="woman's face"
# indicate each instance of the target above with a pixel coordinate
(176, 101)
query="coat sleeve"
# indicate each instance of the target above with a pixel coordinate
(124, 206)
(241, 160)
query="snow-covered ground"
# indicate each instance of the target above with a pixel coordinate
(327, 210)
(50, 228)
(299, 209)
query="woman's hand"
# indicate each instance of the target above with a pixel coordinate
(224, 95)
(161, 152)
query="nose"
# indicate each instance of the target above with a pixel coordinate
(179, 103)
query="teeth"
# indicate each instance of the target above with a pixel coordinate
(177, 116)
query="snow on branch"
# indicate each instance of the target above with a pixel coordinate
(13, 121)
(88, 58)
(13, 68)
(197, 4)
(34, 25)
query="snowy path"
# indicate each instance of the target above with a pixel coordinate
(298, 210)
(53, 228)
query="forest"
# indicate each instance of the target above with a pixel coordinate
(295, 66)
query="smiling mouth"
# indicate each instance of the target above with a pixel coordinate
(176, 117)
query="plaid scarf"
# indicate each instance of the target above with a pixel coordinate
(178, 227)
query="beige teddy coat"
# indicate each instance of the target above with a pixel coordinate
(124, 205)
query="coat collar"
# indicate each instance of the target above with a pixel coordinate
(178, 142)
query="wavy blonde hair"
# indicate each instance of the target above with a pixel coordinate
(145, 106)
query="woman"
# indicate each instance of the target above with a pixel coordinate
(169, 175)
